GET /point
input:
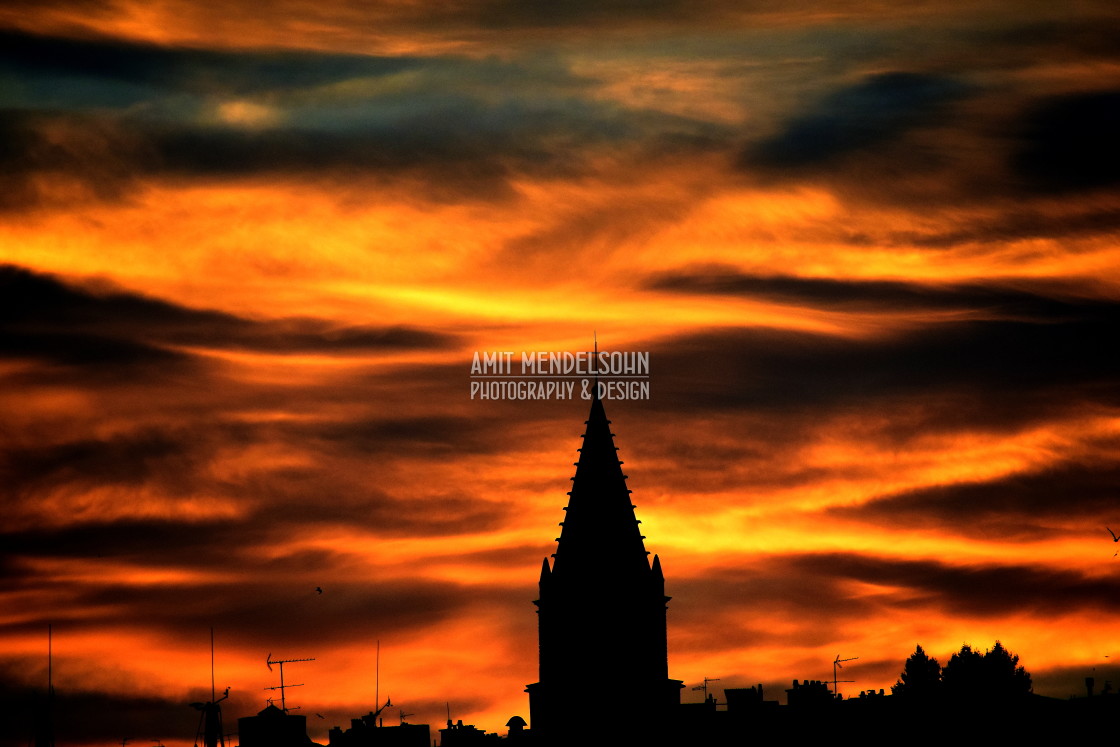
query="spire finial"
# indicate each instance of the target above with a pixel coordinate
(595, 361)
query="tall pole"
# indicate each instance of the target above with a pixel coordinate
(48, 727)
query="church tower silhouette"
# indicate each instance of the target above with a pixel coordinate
(601, 613)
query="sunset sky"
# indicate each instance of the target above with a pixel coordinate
(247, 255)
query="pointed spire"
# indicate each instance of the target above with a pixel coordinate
(600, 532)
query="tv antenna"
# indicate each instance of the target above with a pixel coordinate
(268, 661)
(704, 687)
(836, 665)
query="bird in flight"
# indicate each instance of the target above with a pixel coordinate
(1114, 537)
(319, 589)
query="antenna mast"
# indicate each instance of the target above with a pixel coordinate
(836, 664)
(45, 728)
(704, 687)
(282, 687)
(210, 722)
(50, 683)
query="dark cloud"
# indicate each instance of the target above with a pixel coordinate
(931, 140)
(1023, 41)
(124, 357)
(1073, 222)
(464, 126)
(1023, 506)
(1069, 143)
(91, 156)
(158, 542)
(1007, 368)
(983, 589)
(265, 508)
(287, 610)
(440, 512)
(423, 435)
(812, 603)
(44, 317)
(141, 69)
(512, 14)
(253, 589)
(861, 117)
(885, 295)
(125, 460)
(812, 595)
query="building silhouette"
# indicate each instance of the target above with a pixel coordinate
(368, 731)
(601, 613)
(272, 727)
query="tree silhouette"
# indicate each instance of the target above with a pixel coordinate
(963, 675)
(1007, 678)
(920, 679)
(993, 675)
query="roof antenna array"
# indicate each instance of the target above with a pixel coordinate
(282, 686)
(704, 687)
(837, 664)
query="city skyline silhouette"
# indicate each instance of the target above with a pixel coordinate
(602, 607)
